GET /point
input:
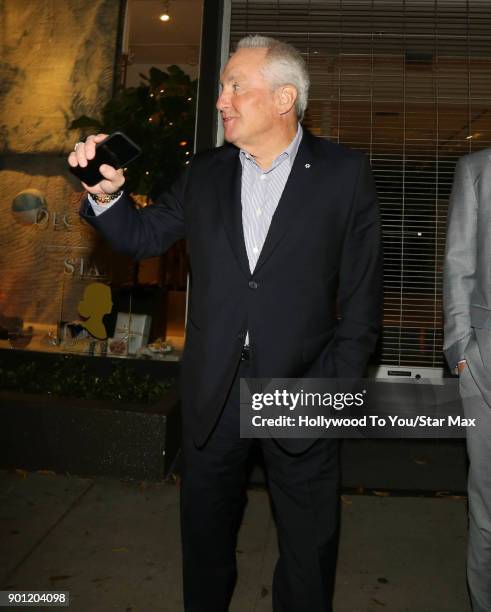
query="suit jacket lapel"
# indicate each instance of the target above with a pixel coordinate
(228, 181)
(293, 198)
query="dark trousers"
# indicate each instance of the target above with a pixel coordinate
(304, 490)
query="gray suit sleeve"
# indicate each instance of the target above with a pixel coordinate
(459, 276)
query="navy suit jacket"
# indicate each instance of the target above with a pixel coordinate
(312, 305)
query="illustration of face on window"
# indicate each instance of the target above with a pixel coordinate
(96, 303)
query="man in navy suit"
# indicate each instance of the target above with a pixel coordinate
(284, 246)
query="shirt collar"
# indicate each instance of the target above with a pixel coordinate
(289, 153)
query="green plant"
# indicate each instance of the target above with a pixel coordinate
(67, 377)
(159, 116)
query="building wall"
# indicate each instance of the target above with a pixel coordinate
(57, 63)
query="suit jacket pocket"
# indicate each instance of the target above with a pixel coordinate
(193, 342)
(483, 339)
(314, 345)
(191, 323)
(480, 316)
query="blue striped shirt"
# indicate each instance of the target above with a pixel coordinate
(261, 193)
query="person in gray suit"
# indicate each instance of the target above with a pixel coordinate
(467, 346)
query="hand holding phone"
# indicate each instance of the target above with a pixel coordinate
(97, 161)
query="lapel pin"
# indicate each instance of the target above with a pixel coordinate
(307, 165)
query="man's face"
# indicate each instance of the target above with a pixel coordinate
(246, 102)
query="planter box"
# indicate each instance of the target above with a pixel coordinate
(90, 437)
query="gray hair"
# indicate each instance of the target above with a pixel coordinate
(284, 66)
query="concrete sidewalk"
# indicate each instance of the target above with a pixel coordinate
(116, 546)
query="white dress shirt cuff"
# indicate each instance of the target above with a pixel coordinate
(100, 208)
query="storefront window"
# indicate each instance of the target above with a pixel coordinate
(62, 289)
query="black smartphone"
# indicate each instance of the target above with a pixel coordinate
(117, 150)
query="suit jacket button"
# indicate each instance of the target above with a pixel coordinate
(253, 285)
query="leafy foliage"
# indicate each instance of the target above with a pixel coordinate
(67, 377)
(159, 116)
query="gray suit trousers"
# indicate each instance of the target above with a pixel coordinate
(479, 488)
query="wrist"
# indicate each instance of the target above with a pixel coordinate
(106, 198)
(460, 367)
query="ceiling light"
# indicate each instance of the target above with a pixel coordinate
(164, 16)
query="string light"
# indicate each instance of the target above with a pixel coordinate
(183, 143)
(162, 90)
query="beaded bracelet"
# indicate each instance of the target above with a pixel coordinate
(107, 197)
